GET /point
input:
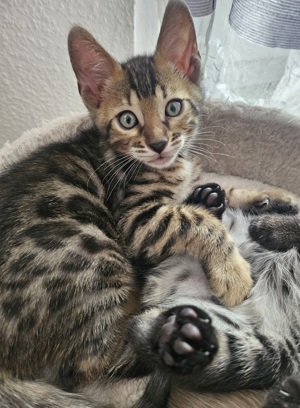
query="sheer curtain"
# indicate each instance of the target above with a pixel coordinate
(249, 48)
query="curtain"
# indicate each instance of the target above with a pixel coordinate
(250, 50)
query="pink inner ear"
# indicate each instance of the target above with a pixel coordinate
(93, 68)
(185, 55)
(92, 65)
(177, 41)
(89, 72)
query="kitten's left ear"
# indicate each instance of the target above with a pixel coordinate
(177, 42)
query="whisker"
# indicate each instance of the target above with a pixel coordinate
(208, 155)
(115, 165)
(115, 174)
(224, 154)
(101, 165)
(202, 145)
(116, 168)
(198, 146)
(203, 151)
(136, 167)
(213, 140)
(211, 147)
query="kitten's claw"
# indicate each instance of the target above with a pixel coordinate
(263, 204)
(269, 205)
(211, 196)
(285, 394)
(187, 339)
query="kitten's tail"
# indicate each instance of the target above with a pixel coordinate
(38, 394)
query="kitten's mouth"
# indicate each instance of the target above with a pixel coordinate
(162, 160)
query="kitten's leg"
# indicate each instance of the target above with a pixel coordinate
(276, 232)
(265, 201)
(154, 232)
(207, 349)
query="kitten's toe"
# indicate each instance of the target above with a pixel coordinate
(187, 339)
(285, 394)
(211, 196)
(290, 389)
(269, 205)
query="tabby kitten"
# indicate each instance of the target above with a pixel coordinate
(147, 115)
(75, 215)
(150, 115)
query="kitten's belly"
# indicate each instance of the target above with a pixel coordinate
(177, 280)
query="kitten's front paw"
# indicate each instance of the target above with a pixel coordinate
(187, 339)
(285, 394)
(210, 196)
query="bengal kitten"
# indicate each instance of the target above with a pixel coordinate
(82, 222)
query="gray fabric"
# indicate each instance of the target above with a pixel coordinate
(273, 23)
(200, 8)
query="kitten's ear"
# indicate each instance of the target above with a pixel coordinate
(177, 42)
(92, 65)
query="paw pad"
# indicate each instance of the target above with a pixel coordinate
(187, 339)
(210, 196)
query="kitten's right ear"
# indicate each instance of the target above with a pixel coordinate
(92, 65)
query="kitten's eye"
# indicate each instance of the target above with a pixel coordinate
(127, 120)
(174, 107)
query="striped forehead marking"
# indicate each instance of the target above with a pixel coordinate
(141, 75)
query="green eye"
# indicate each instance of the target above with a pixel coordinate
(174, 107)
(127, 120)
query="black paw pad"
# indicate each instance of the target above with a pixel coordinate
(187, 339)
(211, 196)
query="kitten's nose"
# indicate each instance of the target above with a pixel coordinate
(159, 146)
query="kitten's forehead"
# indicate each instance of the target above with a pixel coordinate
(142, 76)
